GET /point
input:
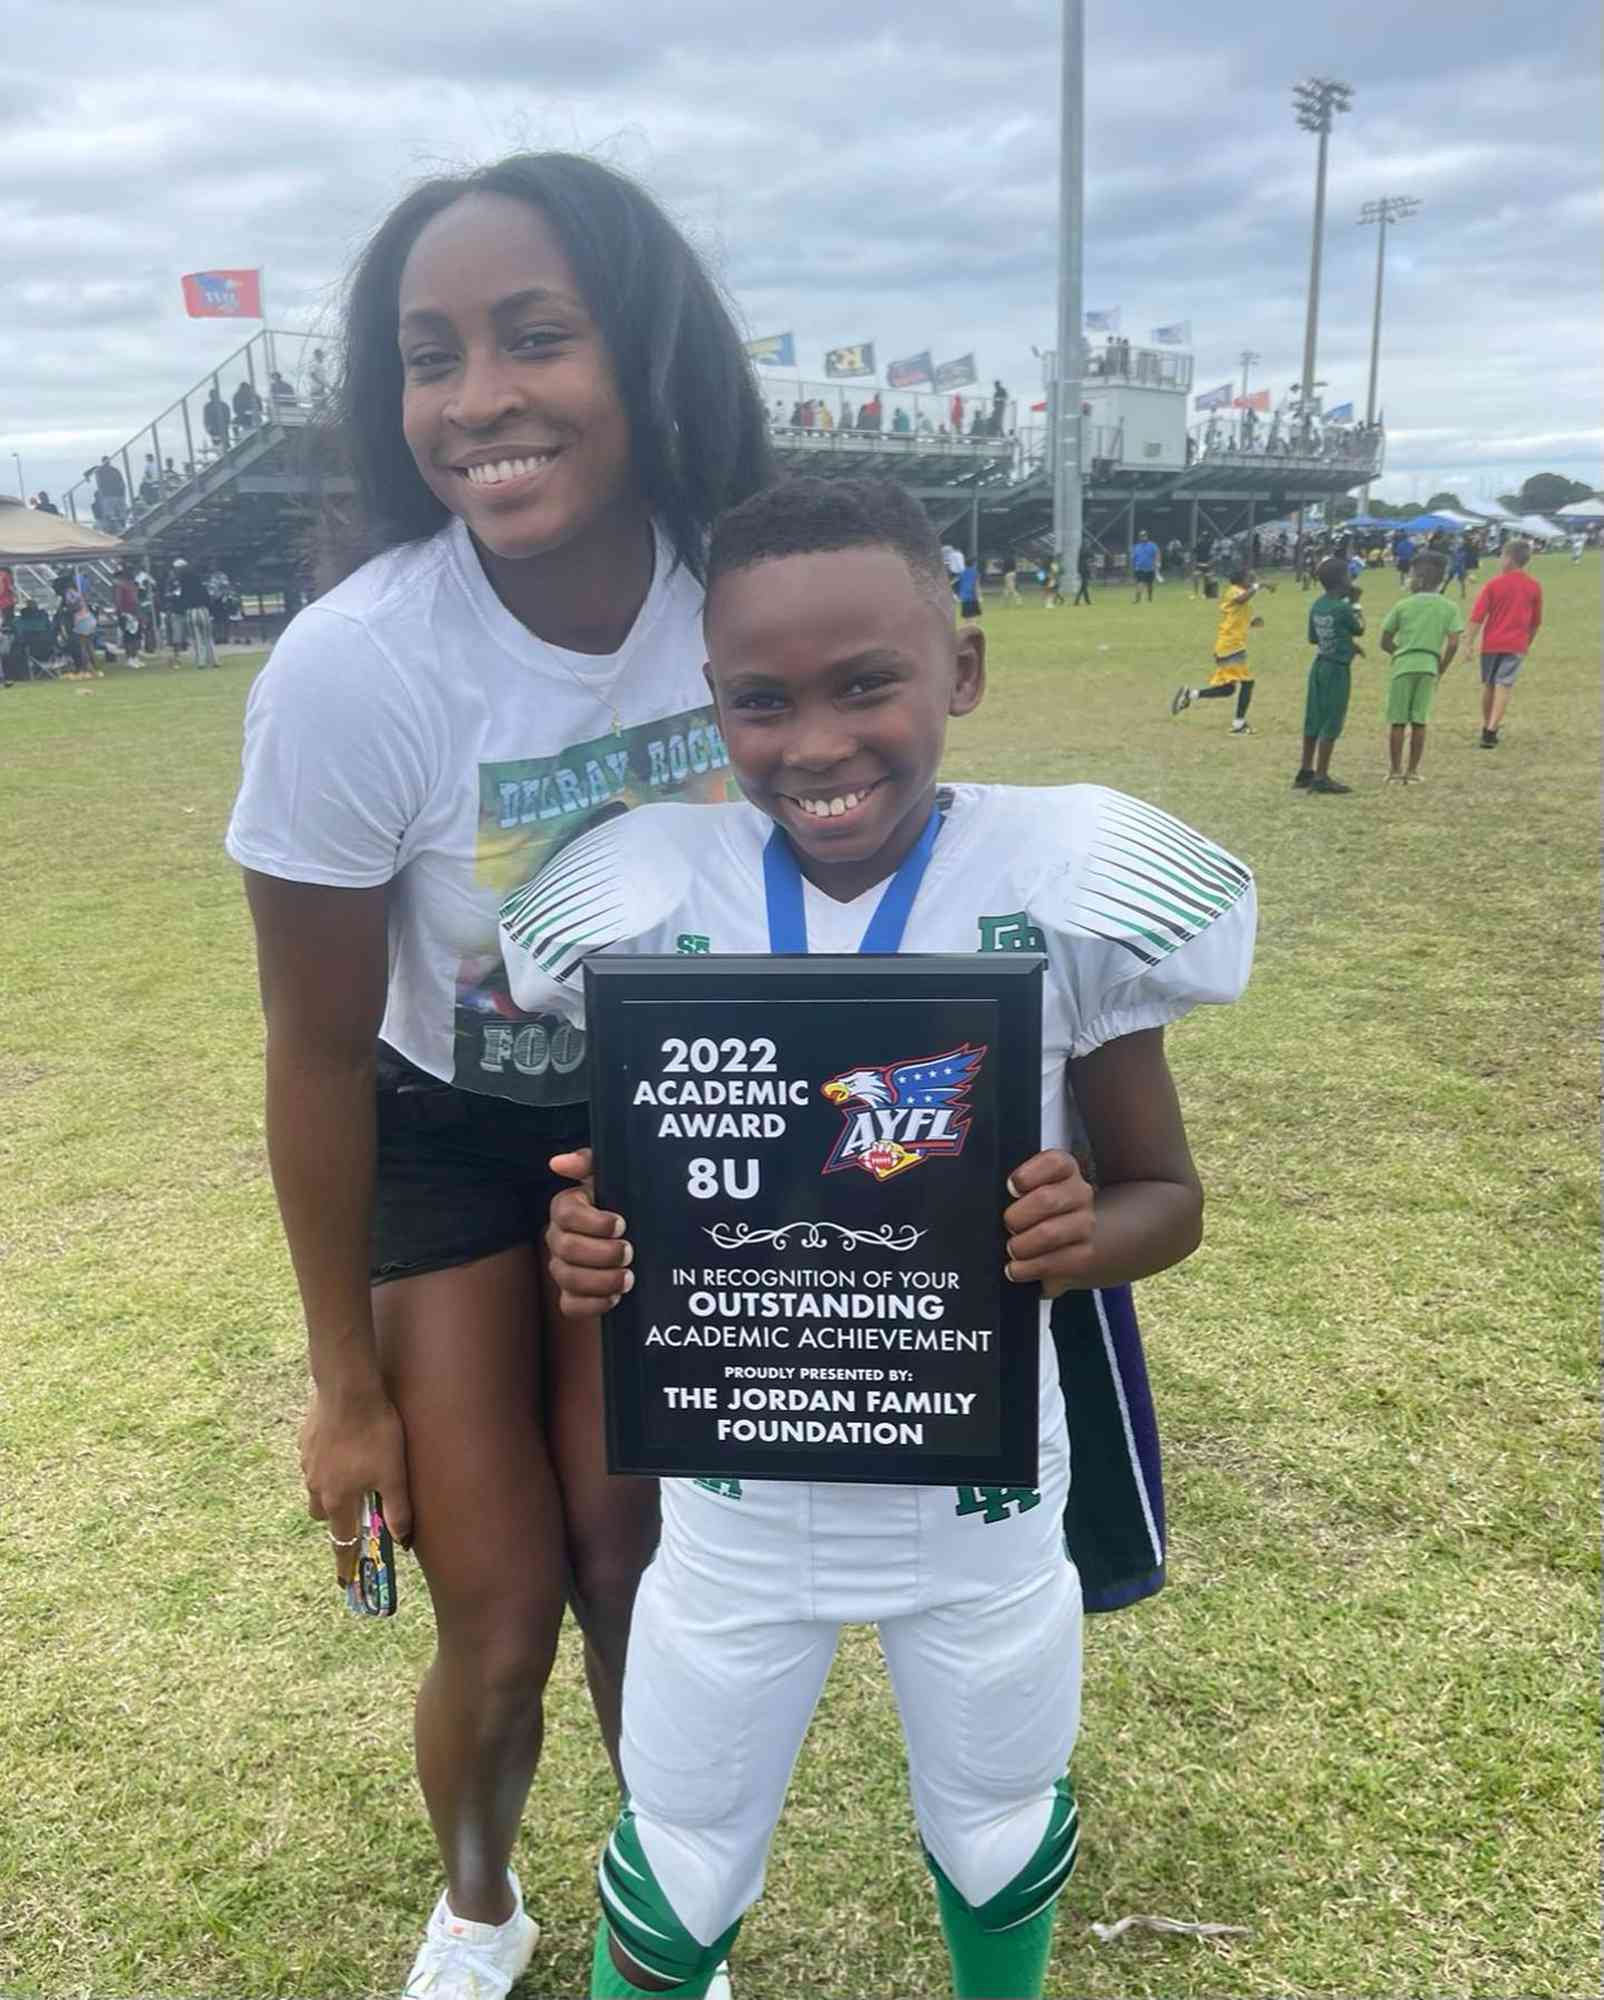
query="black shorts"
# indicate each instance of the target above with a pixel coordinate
(460, 1175)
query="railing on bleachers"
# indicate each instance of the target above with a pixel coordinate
(274, 379)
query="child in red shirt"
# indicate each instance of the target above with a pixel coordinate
(1505, 620)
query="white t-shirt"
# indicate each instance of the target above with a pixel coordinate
(408, 730)
(1141, 918)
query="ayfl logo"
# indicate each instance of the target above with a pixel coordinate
(902, 1113)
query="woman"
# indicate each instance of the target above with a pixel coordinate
(545, 404)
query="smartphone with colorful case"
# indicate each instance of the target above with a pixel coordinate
(372, 1591)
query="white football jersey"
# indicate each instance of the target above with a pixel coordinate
(1141, 918)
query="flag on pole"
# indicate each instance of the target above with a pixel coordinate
(910, 371)
(1259, 400)
(1213, 399)
(223, 294)
(1178, 335)
(1103, 322)
(959, 374)
(774, 350)
(1341, 414)
(841, 363)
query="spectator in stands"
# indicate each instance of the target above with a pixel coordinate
(999, 407)
(280, 391)
(901, 422)
(955, 415)
(111, 490)
(172, 478)
(923, 427)
(317, 380)
(214, 415)
(1144, 566)
(150, 486)
(44, 504)
(247, 408)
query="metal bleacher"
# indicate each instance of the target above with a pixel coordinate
(244, 495)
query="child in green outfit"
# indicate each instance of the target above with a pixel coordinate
(1335, 622)
(1421, 632)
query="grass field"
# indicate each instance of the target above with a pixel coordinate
(1361, 1721)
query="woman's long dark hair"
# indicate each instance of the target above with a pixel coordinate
(697, 424)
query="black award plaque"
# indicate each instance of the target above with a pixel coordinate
(811, 1155)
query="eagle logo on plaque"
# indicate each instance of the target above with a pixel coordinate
(900, 1114)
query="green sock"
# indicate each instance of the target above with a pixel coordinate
(990, 1965)
(608, 1983)
(1000, 1951)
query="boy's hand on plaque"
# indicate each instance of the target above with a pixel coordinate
(1049, 1222)
(590, 1258)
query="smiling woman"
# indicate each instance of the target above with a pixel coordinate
(544, 403)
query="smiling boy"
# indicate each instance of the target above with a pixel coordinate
(835, 667)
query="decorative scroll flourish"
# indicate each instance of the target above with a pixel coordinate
(738, 1236)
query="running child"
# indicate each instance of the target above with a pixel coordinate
(1230, 675)
(1421, 632)
(835, 663)
(1335, 622)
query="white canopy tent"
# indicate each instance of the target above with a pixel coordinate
(30, 537)
(1536, 529)
(1582, 514)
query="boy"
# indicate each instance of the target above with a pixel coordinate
(969, 590)
(1230, 673)
(1504, 620)
(835, 663)
(1335, 622)
(1421, 632)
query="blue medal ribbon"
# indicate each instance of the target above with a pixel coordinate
(788, 917)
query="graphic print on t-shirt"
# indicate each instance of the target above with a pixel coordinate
(530, 808)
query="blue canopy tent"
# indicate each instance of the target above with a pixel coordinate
(1367, 523)
(1429, 524)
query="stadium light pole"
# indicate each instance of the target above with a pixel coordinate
(22, 491)
(1071, 194)
(1316, 101)
(1390, 208)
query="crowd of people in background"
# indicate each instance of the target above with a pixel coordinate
(977, 419)
(1285, 434)
(87, 622)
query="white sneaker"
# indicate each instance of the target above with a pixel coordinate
(459, 1960)
(719, 1986)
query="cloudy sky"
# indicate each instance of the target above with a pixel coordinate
(853, 172)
